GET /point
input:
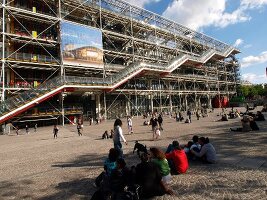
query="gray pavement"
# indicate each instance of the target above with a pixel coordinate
(36, 166)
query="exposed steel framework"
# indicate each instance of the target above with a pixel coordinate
(150, 62)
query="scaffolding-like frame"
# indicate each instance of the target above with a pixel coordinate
(130, 35)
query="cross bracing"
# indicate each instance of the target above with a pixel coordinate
(131, 36)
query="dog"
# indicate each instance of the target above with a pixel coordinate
(140, 148)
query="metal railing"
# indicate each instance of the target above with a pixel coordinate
(30, 57)
(52, 84)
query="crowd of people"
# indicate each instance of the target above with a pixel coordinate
(152, 176)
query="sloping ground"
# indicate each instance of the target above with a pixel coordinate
(36, 166)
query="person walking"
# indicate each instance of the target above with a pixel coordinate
(17, 130)
(27, 129)
(130, 124)
(154, 124)
(55, 130)
(189, 114)
(79, 127)
(35, 128)
(160, 121)
(118, 135)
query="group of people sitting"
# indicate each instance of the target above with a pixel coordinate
(249, 122)
(199, 148)
(151, 177)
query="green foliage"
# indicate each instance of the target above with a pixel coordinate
(253, 90)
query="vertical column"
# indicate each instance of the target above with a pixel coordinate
(151, 103)
(62, 108)
(105, 105)
(136, 104)
(209, 101)
(3, 52)
(199, 102)
(160, 97)
(127, 106)
(186, 103)
(170, 99)
(98, 105)
(180, 102)
(62, 70)
(195, 99)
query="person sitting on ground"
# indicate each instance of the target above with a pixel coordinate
(159, 158)
(105, 135)
(224, 118)
(111, 133)
(146, 123)
(109, 165)
(170, 148)
(259, 116)
(245, 122)
(253, 124)
(207, 152)
(187, 121)
(148, 176)
(237, 114)
(177, 159)
(192, 145)
(120, 177)
(115, 183)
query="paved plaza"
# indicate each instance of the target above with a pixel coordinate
(36, 166)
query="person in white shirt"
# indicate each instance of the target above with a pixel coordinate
(130, 124)
(118, 135)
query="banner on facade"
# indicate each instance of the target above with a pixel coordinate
(81, 45)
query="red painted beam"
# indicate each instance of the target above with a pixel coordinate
(28, 107)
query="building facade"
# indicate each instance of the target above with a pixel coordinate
(106, 58)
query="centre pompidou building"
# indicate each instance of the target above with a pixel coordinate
(92, 58)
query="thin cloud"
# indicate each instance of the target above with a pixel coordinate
(247, 46)
(254, 78)
(253, 60)
(238, 42)
(251, 4)
(141, 3)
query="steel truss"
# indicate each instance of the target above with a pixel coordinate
(130, 35)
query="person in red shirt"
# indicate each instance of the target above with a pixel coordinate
(177, 159)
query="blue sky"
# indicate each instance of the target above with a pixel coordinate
(241, 23)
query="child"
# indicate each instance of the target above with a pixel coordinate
(156, 133)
